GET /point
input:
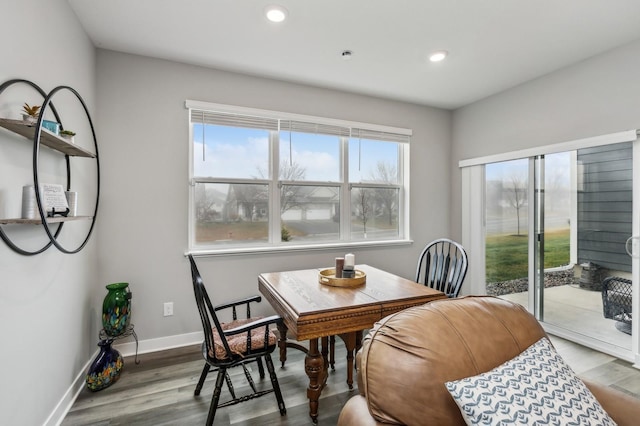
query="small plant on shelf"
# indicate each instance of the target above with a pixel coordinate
(30, 113)
(67, 134)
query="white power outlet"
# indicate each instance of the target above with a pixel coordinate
(168, 309)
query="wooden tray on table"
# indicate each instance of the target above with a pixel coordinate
(328, 277)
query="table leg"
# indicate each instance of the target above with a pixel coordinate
(350, 341)
(314, 366)
(325, 352)
(332, 352)
(282, 342)
(358, 344)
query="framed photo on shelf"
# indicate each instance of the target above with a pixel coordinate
(53, 200)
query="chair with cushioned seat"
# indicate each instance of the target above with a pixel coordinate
(233, 344)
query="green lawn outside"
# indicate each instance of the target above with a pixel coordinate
(207, 232)
(236, 231)
(216, 231)
(507, 255)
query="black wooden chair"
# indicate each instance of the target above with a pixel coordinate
(442, 265)
(234, 344)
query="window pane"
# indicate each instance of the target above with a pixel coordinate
(230, 152)
(507, 227)
(310, 213)
(373, 161)
(374, 213)
(308, 156)
(231, 213)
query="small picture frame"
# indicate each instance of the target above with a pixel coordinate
(54, 200)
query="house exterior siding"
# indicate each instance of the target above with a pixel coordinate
(605, 178)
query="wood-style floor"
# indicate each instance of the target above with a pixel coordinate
(159, 390)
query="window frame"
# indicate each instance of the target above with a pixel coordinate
(399, 135)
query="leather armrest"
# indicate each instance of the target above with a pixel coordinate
(623, 409)
(356, 412)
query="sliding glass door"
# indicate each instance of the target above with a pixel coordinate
(556, 227)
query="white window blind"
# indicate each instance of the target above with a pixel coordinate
(318, 128)
(379, 135)
(233, 119)
(272, 120)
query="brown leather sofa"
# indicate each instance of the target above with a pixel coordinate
(407, 357)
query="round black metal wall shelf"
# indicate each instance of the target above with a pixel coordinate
(40, 137)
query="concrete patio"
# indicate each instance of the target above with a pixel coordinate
(578, 310)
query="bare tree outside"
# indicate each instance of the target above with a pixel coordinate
(253, 196)
(205, 202)
(289, 194)
(385, 198)
(365, 206)
(517, 196)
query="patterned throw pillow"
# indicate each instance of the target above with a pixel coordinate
(535, 388)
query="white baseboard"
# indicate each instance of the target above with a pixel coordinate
(159, 344)
(67, 400)
(126, 349)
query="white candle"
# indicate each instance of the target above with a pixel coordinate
(349, 261)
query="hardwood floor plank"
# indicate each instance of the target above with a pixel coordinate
(159, 390)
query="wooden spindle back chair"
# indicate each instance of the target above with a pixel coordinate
(232, 344)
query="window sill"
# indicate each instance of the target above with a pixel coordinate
(296, 248)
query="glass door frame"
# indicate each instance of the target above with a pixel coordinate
(474, 231)
(536, 244)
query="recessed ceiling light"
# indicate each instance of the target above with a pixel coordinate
(438, 56)
(276, 13)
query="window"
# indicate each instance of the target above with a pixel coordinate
(375, 188)
(262, 180)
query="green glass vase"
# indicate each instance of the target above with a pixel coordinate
(116, 309)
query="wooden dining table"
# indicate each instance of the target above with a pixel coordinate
(311, 311)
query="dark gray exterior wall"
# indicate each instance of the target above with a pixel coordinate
(605, 177)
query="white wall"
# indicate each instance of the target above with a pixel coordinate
(48, 317)
(144, 149)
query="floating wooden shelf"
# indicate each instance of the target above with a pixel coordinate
(56, 219)
(47, 138)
